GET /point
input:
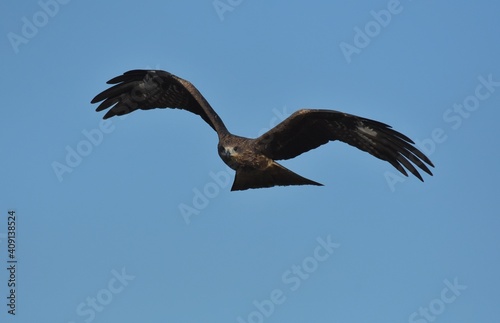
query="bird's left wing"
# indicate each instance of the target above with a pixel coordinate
(308, 129)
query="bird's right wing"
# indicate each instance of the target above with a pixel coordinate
(149, 89)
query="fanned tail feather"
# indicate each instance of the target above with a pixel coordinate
(274, 175)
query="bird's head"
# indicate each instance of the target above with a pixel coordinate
(229, 154)
(229, 151)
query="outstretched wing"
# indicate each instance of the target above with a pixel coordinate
(149, 89)
(308, 129)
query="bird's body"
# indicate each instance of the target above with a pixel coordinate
(253, 168)
(254, 160)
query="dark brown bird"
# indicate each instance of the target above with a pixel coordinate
(254, 160)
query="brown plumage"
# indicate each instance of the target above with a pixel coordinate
(254, 159)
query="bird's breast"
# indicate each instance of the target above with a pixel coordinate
(245, 159)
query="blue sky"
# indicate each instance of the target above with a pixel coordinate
(100, 232)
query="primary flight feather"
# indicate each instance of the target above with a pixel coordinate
(254, 160)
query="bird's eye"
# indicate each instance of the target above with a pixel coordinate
(235, 148)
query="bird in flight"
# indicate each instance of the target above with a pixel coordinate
(254, 160)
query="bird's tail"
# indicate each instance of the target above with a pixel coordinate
(274, 175)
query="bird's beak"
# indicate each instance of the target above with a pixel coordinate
(230, 152)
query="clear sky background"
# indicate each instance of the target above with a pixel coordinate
(101, 235)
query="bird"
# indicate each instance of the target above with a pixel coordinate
(254, 159)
